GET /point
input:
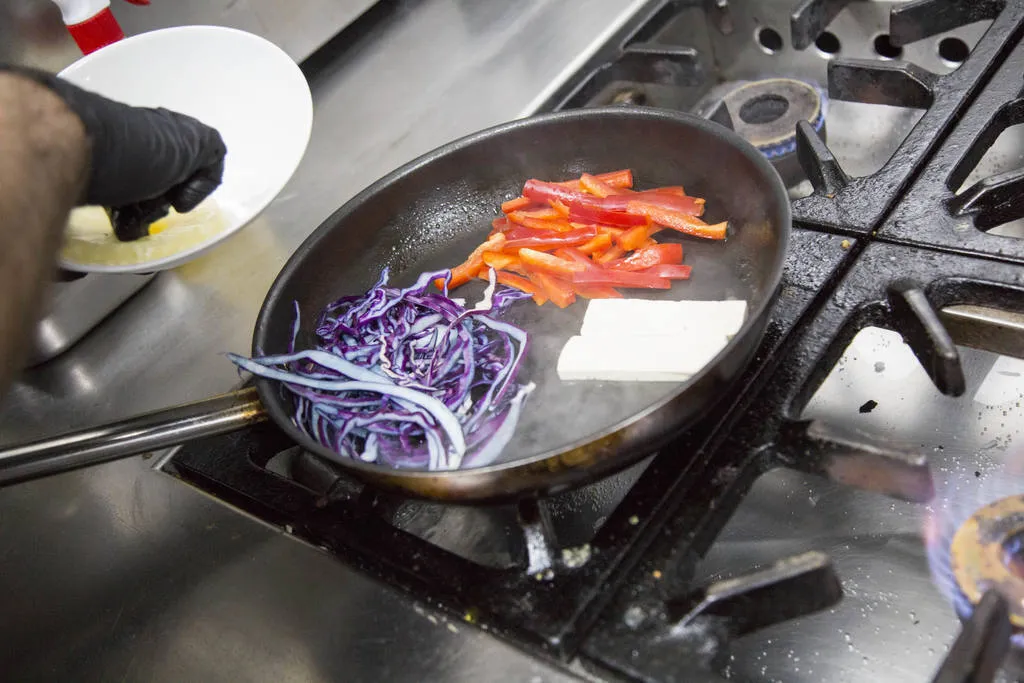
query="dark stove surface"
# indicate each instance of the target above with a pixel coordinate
(791, 536)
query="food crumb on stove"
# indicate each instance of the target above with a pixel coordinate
(845, 244)
(574, 558)
(656, 573)
(545, 575)
(868, 406)
(977, 473)
(634, 520)
(451, 627)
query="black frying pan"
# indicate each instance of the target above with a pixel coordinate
(430, 214)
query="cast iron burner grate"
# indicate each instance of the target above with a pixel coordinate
(544, 589)
(655, 619)
(613, 585)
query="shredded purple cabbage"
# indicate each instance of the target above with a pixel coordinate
(407, 377)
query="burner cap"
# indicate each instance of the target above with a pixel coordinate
(766, 112)
(988, 552)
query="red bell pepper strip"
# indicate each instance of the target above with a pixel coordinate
(677, 220)
(647, 257)
(577, 256)
(559, 291)
(515, 204)
(691, 206)
(546, 240)
(500, 261)
(539, 261)
(589, 214)
(610, 254)
(671, 271)
(596, 186)
(523, 285)
(500, 225)
(561, 208)
(518, 232)
(620, 278)
(544, 213)
(466, 271)
(623, 178)
(596, 291)
(633, 239)
(599, 243)
(521, 218)
(539, 191)
(676, 190)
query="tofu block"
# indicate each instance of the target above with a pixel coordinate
(636, 358)
(680, 319)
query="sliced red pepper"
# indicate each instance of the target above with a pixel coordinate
(518, 232)
(599, 243)
(677, 220)
(500, 225)
(540, 191)
(596, 186)
(577, 256)
(589, 214)
(672, 271)
(610, 254)
(623, 178)
(620, 278)
(634, 238)
(544, 213)
(467, 270)
(521, 218)
(559, 291)
(691, 206)
(676, 190)
(561, 208)
(500, 261)
(523, 285)
(646, 257)
(515, 204)
(546, 240)
(538, 260)
(596, 291)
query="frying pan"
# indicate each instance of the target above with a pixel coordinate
(429, 215)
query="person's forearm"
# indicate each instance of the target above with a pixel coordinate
(44, 161)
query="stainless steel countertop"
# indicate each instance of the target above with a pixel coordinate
(121, 573)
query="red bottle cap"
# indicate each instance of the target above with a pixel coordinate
(97, 31)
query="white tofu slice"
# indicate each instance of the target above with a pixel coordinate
(680, 319)
(635, 358)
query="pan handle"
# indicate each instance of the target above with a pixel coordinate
(152, 431)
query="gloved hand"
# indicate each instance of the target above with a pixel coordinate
(143, 160)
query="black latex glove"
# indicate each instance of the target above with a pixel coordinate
(143, 160)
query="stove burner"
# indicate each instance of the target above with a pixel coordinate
(985, 554)
(765, 113)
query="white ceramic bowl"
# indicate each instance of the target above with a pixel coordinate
(239, 83)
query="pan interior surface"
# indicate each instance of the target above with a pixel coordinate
(430, 214)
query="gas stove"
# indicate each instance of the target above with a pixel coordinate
(842, 515)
